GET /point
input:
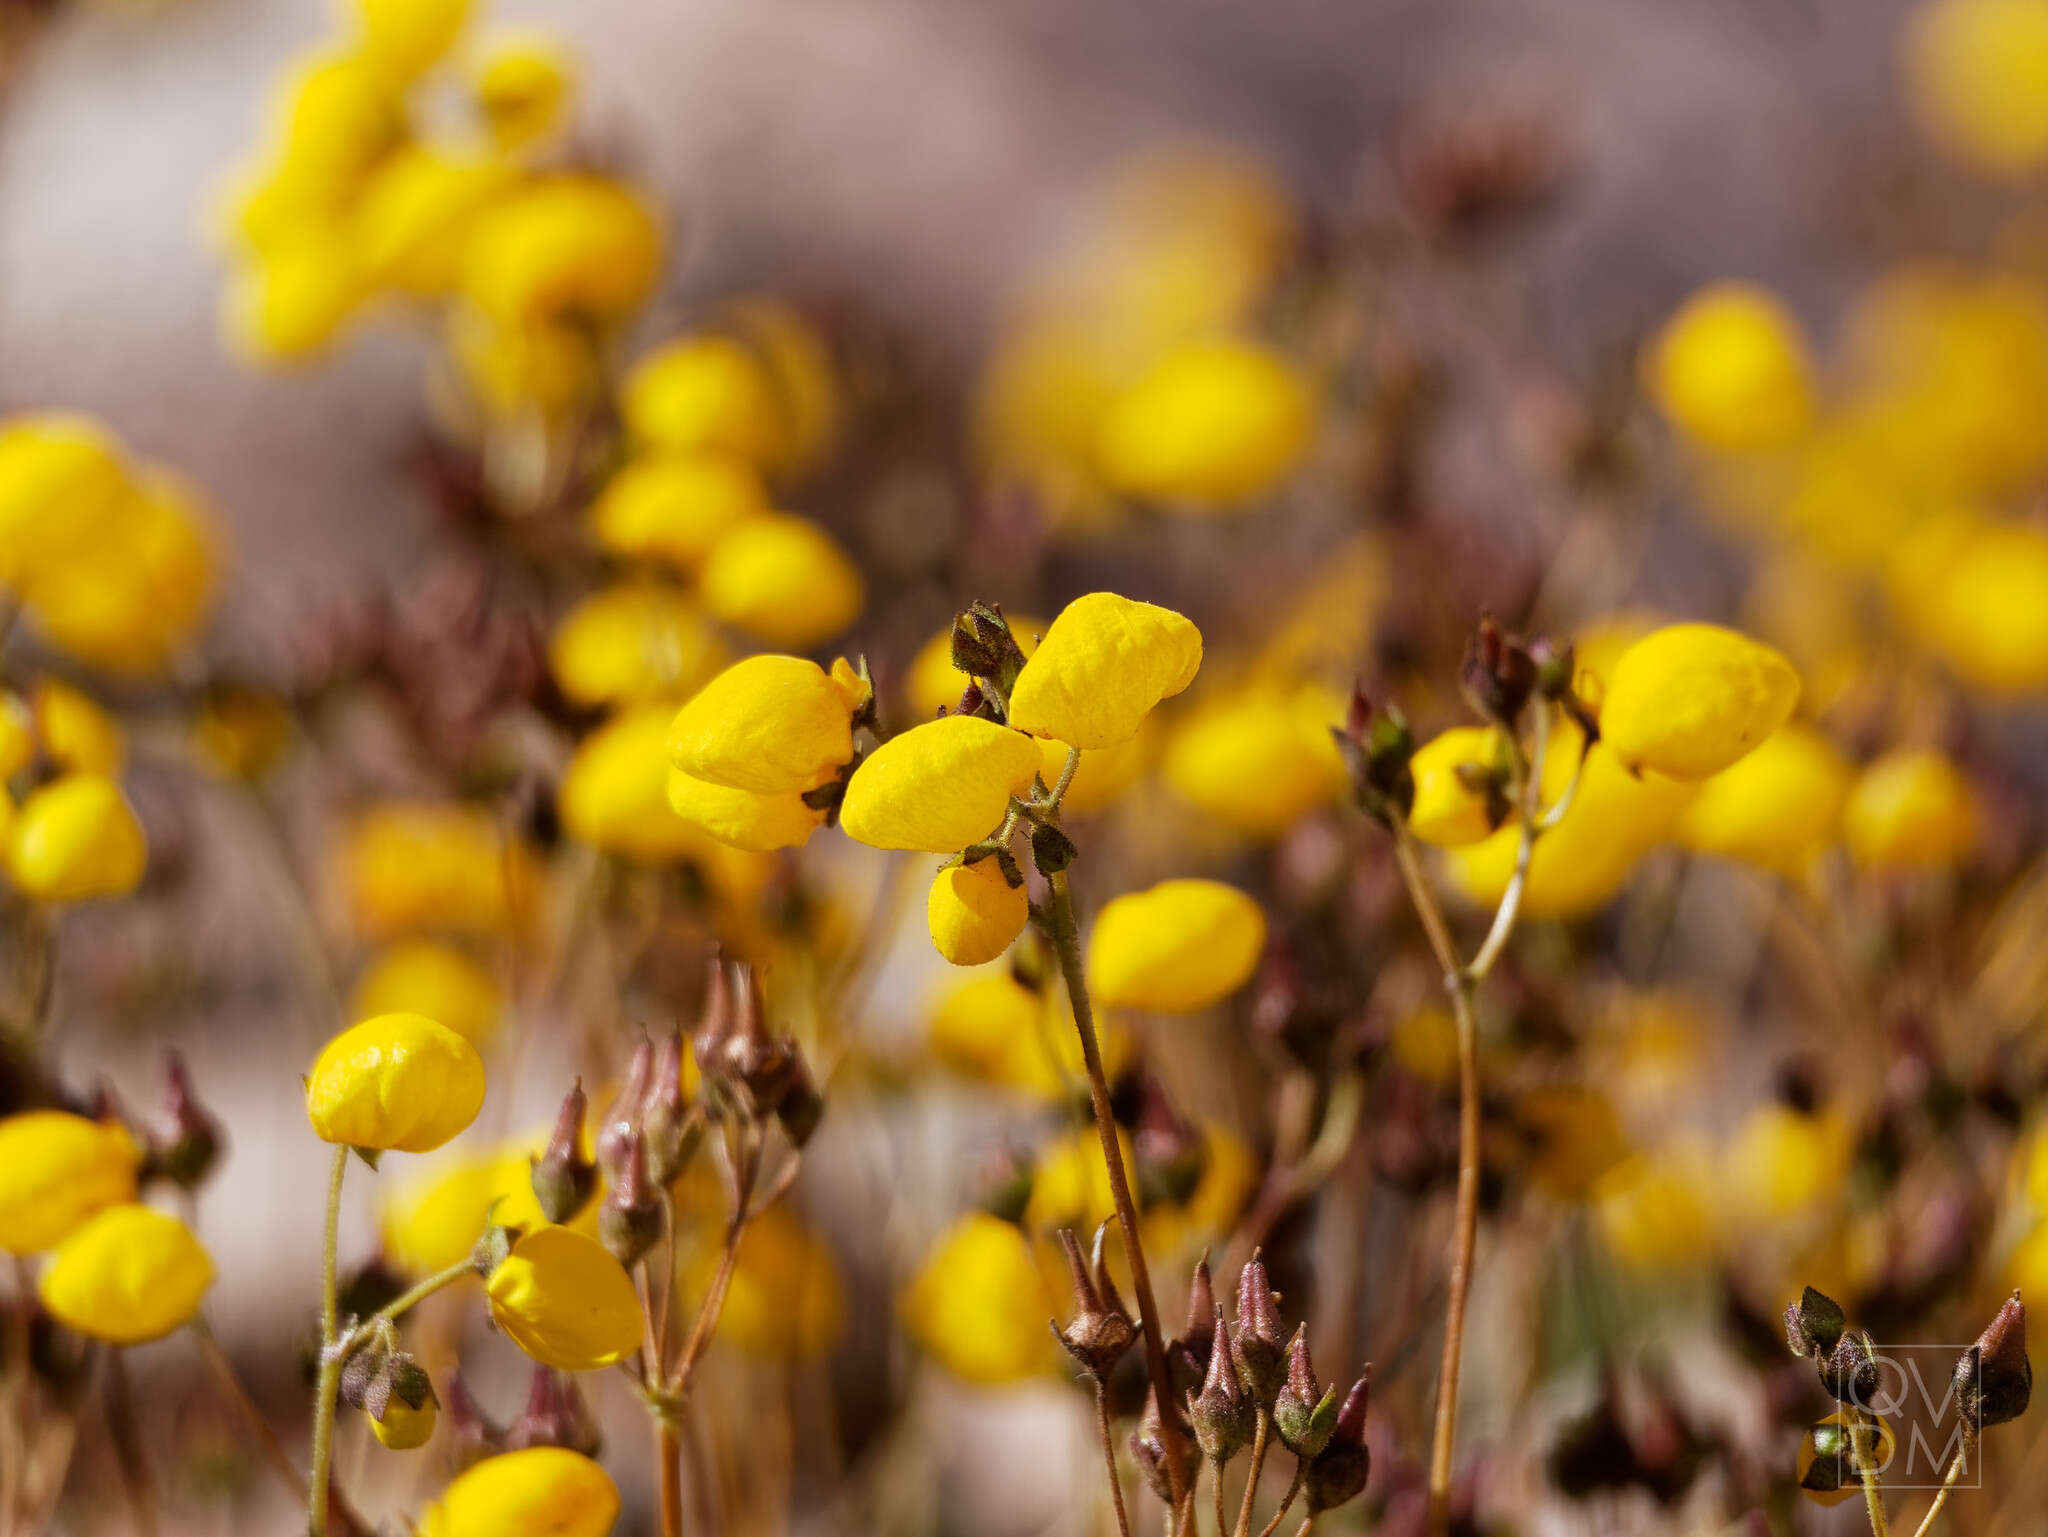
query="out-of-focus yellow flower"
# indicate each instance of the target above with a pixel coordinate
(1782, 1162)
(615, 794)
(547, 367)
(1656, 1051)
(1730, 369)
(939, 786)
(633, 641)
(416, 214)
(1210, 426)
(75, 733)
(799, 361)
(17, 734)
(933, 683)
(333, 116)
(563, 247)
(398, 1082)
(128, 1275)
(423, 976)
(783, 580)
(431, 1216)
(1040, 406)
(405, 1427)
(1691, 699)
(565, 1301)
(743, 819)
(1178, 947)
(1425, 1041)
(2027, 1266)
(1853, 495)
(1102, 775)
(1449, 811)
(242, 731)
(1577, 1139)
(979, 1304)
(411, 866)
(994, 1029)
(769, 725)
(677, 507)
(1102, 666)
(1599, 646)
(1653, 1211)
(1910, 810)
(406, 38)
(1776, 808)
(1814, 614)
(785, 1300)
(974, 912)
(543, 1489)
(291, 302)
(1881, 1448)
(1070, 1183)
(57, 1170)
(1259, 758)
(61, 477)
(76, 839)
(705, 394)
(523, 83)
(1985, 608)
(130, 604)
(1977, 75)
(1230, 1174)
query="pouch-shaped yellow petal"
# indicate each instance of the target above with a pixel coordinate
(1910, 810)
(76, 839)
(544, 1491)
(939, 786)
(57, 1170)
(565, 1301)
(676, 507)
(1776, 808)
(768, 724)
(1690, 699)
(634, 641)
(783, 580)
(1178, 947)
(130, 1274)
(1102, 666)
(741, 819)
(1447, 811)
(974, 912)
(399, 1082)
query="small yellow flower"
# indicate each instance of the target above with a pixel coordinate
(333, 116)
(417, 210)
(1448, 811)
(1576, 1138)
(1070, 1184)
(523, 83)
(993, 1029)
(57, 1170)
(980, 1302)
(398, 1082)
(1257, 759)
(1776, 808)
(1783, 1162)
(1102, 666)
(634, 641)
(783, 580)
(615, 794)
(770, 725)
(1212, 425)
(1910, 810)
(1882, 1446)
(431, 1213)
(1653, 1211)
(1691, 699)
(1985, 608)
(1178, 947)
(940, 786)
(677, 507)
(1730, 370)
(705, 394)
(60, 477)
(1975, 71)
(565, 1301)
(406, 38)
(542, 1490)
(291, 302)
(974, 912)
(127, 1276)
(76, 839)
(405, 1427)
(786, 1300)
(423, 976)
(1425, 1042)
(563, 247)
(743, 819)
(419, 865)
(75, 733)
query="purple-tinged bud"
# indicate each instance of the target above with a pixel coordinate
(1223, 1413)
(563, 1179)
(1994, 1380)
(1261, 1347)
(192, 1138)
(1188, 1356)
(1850, 1372)
(1101, 1331)
(629, 1221)
(622, 1120)
(715, 1023)
(1148, 1449)
(1339, 1471)
(671, 1127)
(1304, 1415)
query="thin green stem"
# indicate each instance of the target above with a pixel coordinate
(330, 1358)
(407, 1301)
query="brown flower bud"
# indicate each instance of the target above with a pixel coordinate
(1223, 1414)
(556, 1414)
(1813, 1324)
(1850, 1371)
(629, 1221)
(1994, 1380)
(671, 1128)
(622, 1120)
(563, 1179)
(1304, 1415)
(1261, 1347)
(1340, 1469)
(1101, 1331)
(191, 1138)
(1188, 1356)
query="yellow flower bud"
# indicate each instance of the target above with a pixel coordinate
(743, 819)
(130, 604)
(563, 247)
(783, 580)
(1730, 370)
(940, 786)
(405, 38)
(1973, 74)
(417, 210)
(414, 865)
(543, 1489)
(634, 641)
(17, 735)
(1910, 811)
(523, 83)
(565, 1301)
(127, 1276)
(57, 1170)
(399, 1082)
(75, 733)
(615, 795)
(1691, 699)
(1178, 947)
(677, 507)
(60, 478)
(426, 977)
(1213, 424)
(974, 912)
(705, 394)
(1776, 808)
(404, 1428)
(291, 301)
(1102, 666)
(76, 839)
(1984, 608)
(1258, 759)
(770, 725)
(979, 1303)
(1448, 812)
(992, 1028)
(785, 1300)
(933, 683)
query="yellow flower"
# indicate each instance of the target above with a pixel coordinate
(398, 1082)
(974, 912)
(1230, 1174)
(563, 247)
(515, 369)
(1776, 808)
(56, 1170)
(1977, 76)
(129, 605)
(523, 83)
(565, 1301)
(1910, 810)
(677, 507)
(1259, 758)
(2027, 1266)
(615, 794)
(1178, 947)
(770, 725)
(1070, 1183)
(705, 394)
(1730, 370)
(76, 839)
(419, 865)
(76, 734)
(1882, 1448)
(636, 640)
(1425, 1042)
(1783, 1162)
(980, 1302)
(1211, 425)
(1691, 699)
(1653, 1211)
(542, 1490)
(334, 115)
(799, 361)
(426, 977)
(1448, 811)
(431, 1214)
(934, 683)
(743, 819)
(783, 580)
(992, 1028)
(785, 1300)
(416, 214)
(407, 37)
(940, 786)
(291, 301)
(1985, 608)
(404, 1427)
(128, 1275)
(17, 735)
(1102, 666)
(60, 478)
(1576, 1135)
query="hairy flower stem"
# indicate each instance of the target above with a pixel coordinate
(1866, 1469)
(330, 1359)
(1216, 1479)
(1116, 1483)
(1251, 1479)
(1948, 1482)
